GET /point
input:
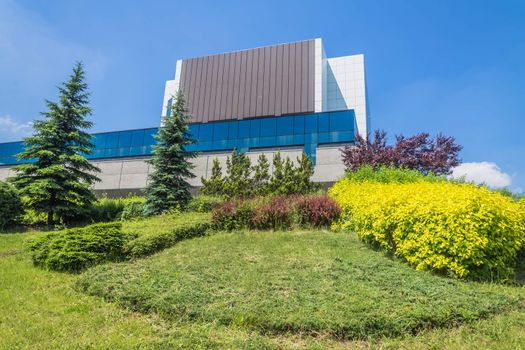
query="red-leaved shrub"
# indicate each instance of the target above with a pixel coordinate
(277, 214)
(317, 211)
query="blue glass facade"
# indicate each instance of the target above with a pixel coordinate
(306, 130)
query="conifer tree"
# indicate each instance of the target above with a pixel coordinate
(277, 178)
(289, 184)
(215, 184)
(303, 175)
(261, 175)
(168, 186)
(238, 170)
(59, 178)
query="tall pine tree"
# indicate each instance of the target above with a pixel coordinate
(58, 180)
(168, 186)
(261, 175)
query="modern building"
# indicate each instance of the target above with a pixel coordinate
(288, 98)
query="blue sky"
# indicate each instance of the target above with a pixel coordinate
(456, 67)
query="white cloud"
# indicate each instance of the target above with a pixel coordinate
(11, 126)
(487, 173)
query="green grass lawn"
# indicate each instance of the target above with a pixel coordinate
(257, 290)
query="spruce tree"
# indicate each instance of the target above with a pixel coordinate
(58, 180)
(303, 175)
(237, 182)
(277, 179)
(168, 186)
(261, 175)
(214, 185)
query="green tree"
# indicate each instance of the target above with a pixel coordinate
(237, 182)
(58, 180)
(168, 186)
(261, 175)
(277, 179)
(214, 186)
(303, 175)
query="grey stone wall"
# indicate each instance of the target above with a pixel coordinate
(120, 177)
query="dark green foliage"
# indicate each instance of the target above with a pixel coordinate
(76, 249)
(295, 283)
(214, 186)
(261, 176)
(106, 209)
(59, 180)
(150, 244)
(204, 204)
(114, 209)
(303, 175)
(168, 186)
(237, 183)
(10, 206)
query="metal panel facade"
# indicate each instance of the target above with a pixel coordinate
(267, 81)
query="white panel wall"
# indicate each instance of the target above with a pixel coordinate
(346, 88)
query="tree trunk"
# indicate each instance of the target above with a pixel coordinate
(49, 218)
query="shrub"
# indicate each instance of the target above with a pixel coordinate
(203, 203)
(106, 209)
(276, 214)
(459, 229)
(317, 211)
(384, 174)
(133, 208)
(428, 155)
(10, 205)
(76, 249)
(232, 215)
(149, 244)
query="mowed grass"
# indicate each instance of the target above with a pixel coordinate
(42, 310)
(315, 283)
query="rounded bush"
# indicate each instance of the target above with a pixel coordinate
(459, 229)
(317, 211)
(10, 205)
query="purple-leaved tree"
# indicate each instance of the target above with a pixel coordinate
(421, 152)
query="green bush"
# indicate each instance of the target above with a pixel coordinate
(149, 244)
(76, 249)
(133, 208)
(204, 203)
(10, 206)
(106, 209)
(384, 174)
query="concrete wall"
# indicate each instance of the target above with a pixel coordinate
(120, 177)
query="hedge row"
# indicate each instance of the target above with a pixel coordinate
(76, 249)
(276, 213)
(462, 230)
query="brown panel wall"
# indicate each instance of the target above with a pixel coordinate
(267, 81)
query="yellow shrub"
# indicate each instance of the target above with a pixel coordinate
(459, 229)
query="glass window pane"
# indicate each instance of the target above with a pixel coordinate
(244, 129)
(298, 124)
(324, 123)
(285, 126)
(137, 138)
(233, 128)
(255, 126)
(310, 124)
(194, 131)
(268, 127)
(111, 140)
(206, 132)
(220, 131)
